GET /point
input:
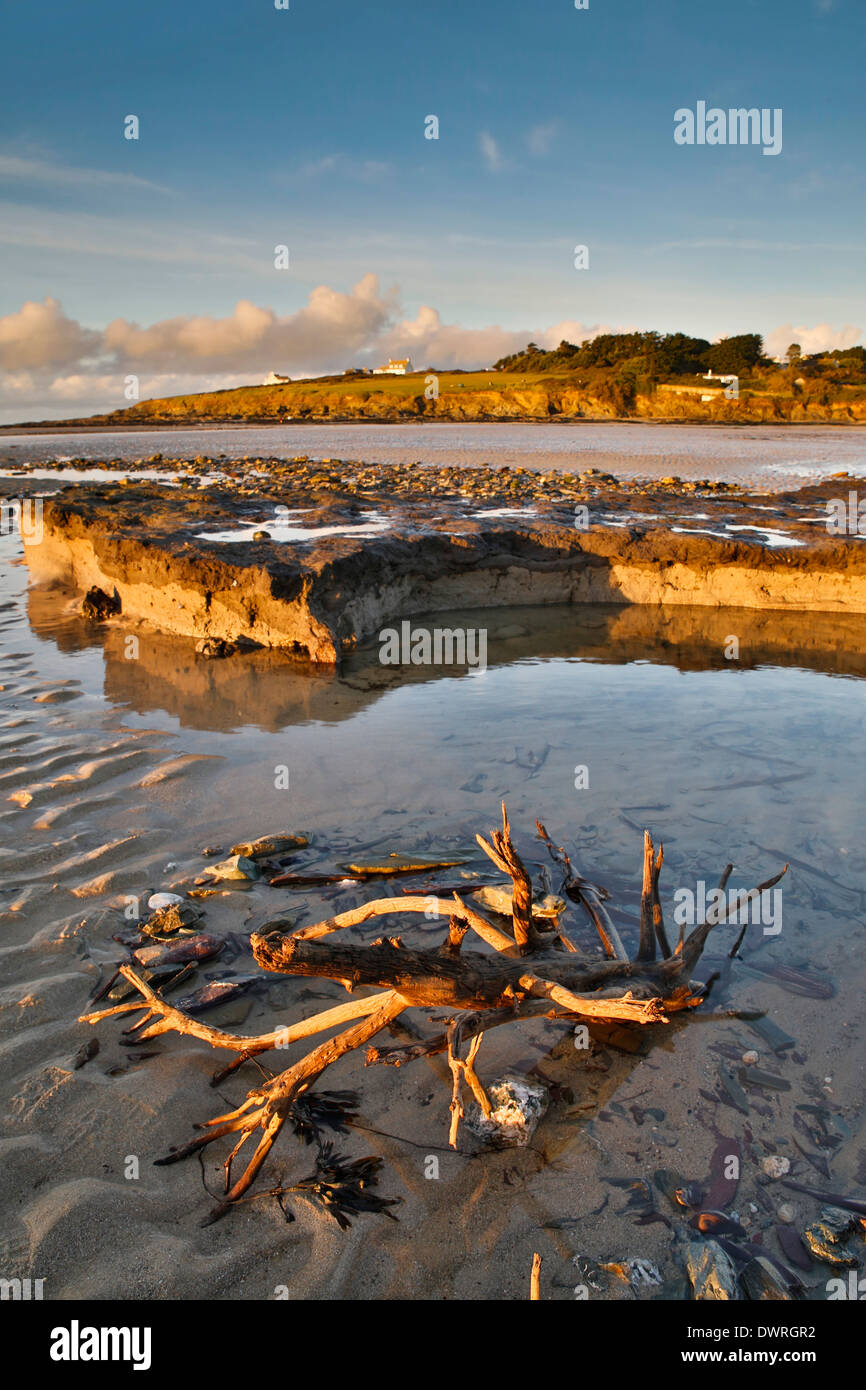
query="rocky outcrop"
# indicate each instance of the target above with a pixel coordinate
(319, 598)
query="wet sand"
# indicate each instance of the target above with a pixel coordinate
(773, 457)
(113, 769)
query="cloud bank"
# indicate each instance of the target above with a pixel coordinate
(52, 365)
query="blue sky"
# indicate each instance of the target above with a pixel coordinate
(305, 127)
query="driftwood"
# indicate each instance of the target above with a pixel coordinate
(531, 972)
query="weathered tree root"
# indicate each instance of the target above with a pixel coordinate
(531, 973)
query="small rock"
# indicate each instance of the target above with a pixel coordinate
(637, 1272)
(99, 605)
(158, 900)
(825, 1237)
(213, 647)
(518, 1105)
(762, 1282)
(750, 1058)
(210, 851)
(181, 919)
(261, 535)
(169, 867)
(235, 867)
(775, 1166)
(786, 1213)
(710, 1271)
(269, 844)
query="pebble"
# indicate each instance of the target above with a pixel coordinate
(750, 1058)
(775, 1166)
(235, 867)
(786, 1213)
(157, 900)
(518, 1105)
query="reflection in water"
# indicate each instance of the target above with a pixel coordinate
(270, 689)
(754, 762)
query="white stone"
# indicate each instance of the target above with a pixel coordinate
(158, 900)
(518, 1105)
(775, 1166)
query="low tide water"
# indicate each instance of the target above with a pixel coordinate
(116, 771)
(772, 457)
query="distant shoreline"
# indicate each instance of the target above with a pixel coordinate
(140, 427)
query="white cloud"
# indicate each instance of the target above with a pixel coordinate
(490, 151)
(55, 366)
(367, 170)
(329, 327)
(822, 338)
(540, 138)
(40, 335)
(50, 171)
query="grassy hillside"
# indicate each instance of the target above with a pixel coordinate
(590, 393)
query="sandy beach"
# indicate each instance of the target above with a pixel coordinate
(116, 775)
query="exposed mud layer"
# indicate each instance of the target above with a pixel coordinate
(318, 597)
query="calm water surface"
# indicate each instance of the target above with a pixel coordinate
(774, 457)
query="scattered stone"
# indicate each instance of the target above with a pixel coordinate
(201, 947)
(214, 647)
(261, 535)
(178, 919)
(761, 1282)
(99, 605)
(750, 1058)
(835, 1223)
(825, 1238)
(237, 866)
(518, 1105)
(267, 845)
(775, 1166)
(637, 1272)
(498, 899)
(787, 1213)
(710, 1271)
(158, 900)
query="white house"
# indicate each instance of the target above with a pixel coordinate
(395, 366)
(274, 379)
(730, 381)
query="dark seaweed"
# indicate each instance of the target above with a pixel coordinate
(324, 1110)
(341, 1186)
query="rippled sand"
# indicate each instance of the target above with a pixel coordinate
(111, 770)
